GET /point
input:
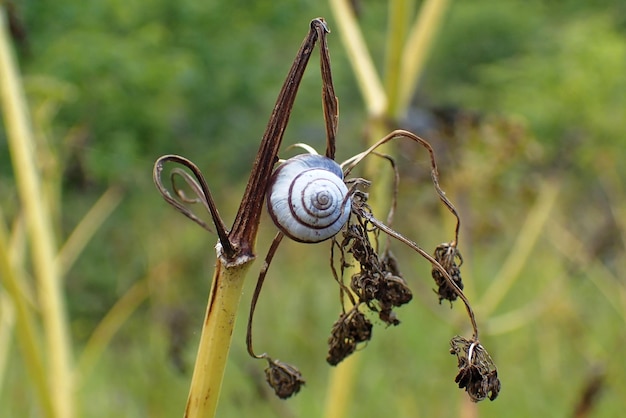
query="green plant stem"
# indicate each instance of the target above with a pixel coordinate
(530, 232)
(366, 75)
(7, 325)
(107, 327)
(22, 147)
(397, 26)
(416, 51)
(26, 331)
(599, 274)
(216, 336)
(341, 387)
(85, 230)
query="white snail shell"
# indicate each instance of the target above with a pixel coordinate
(307, 198)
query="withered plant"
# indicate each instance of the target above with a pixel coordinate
(335, 208)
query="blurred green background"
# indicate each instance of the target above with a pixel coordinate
(524, 102)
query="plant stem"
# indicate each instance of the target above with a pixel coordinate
(366, 75)
(341, 387)
(216, 336)
(397, 25)
(530, 231)
(7, 326)
(86, 229)
(22, 147)
(25, 327)
(102, 335)
(416, 50)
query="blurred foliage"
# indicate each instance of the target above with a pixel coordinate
(516, 93)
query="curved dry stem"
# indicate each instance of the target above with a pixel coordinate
(396, 187)
(389, 231)
(343, 289)
(191, 183)
(204, 195)
(352, 162)
(257, 291)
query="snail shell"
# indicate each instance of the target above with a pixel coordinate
(307, 198)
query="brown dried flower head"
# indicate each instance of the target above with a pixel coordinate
(477, 372)
(378, 284)
(350, 329)
(446, 254)
(286, 380)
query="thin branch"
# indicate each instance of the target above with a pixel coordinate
(349, 165)
(396, 185)
(387, 230)
(257, 291)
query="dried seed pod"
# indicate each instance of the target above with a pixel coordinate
(393, 291)
(286, 380)
(446, 255)
(350, 329)
(357, 243)
(478, 374)
(365, 286)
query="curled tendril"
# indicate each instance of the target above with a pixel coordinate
(191, 183)
(199, 186)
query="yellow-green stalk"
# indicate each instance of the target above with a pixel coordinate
(25, 325)
(107, 327)
(42, 243)
(530, 232)
(85, 230)
(7, 325)
(217, 330)
(418, 44)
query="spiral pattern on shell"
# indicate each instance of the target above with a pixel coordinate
(307, 198)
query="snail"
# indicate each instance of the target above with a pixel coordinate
(307, 198)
